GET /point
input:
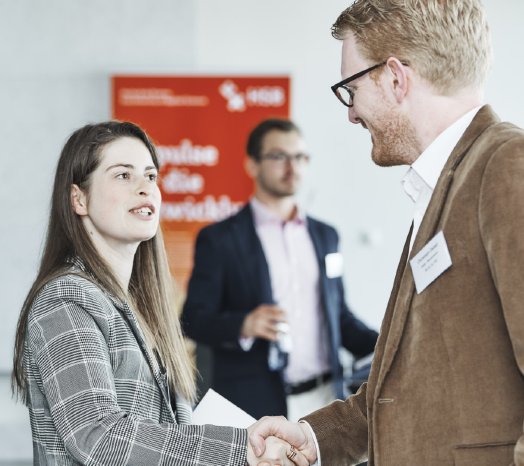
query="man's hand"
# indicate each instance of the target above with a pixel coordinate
(276, 453)
(263, 322)
(296, 434)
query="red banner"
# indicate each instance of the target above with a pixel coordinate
(200, 126)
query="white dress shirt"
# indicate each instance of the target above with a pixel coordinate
(422, 176)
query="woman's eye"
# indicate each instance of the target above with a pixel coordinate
(153, 177)
(123, 176)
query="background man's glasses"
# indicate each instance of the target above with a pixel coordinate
(282, 158)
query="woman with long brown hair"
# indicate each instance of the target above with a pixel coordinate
(99, 356)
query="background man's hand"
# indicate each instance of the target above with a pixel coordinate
(296, 434)
(263, 322)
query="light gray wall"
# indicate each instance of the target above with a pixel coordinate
(56, 58)
(345, 188)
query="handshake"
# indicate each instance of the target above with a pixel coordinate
(274, 441)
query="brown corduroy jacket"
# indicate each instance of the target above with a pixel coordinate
(446, 385)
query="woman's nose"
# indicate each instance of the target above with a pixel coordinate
(144, 187)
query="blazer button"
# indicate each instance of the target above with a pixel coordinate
(382, 401)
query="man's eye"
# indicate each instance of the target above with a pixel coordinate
(279, 157)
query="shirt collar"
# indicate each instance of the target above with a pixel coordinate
(262, 215)
(422, 176)
(431, 162)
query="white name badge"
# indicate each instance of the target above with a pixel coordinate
(431, 262)
(334, 265)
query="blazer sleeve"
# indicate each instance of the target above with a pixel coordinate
(71, 356)
(341, 430)
(501, 218)
(204, 317)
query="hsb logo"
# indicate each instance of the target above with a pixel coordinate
(253, 96)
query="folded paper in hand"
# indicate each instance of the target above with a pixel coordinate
(219, 411)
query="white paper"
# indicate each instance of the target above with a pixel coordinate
(431, 262)
(219, 411)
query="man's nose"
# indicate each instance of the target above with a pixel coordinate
(293, 165)
(293, 160)
(352, 116)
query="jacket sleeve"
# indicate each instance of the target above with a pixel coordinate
(204, 319)
(341, 430)
(501, 217)
(75, 379)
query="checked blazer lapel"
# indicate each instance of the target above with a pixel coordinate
(399, 305)
(128, 315)
(183, 414)
(160, 378)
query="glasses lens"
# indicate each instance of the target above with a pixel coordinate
(302, 158)
(345, 96)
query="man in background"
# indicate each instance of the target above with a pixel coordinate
(266, 291)
(446, 385)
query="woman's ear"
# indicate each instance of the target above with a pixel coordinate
(78, 200)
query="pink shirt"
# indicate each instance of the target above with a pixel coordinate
(294, 273)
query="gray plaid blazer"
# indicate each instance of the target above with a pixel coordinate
(96, 394)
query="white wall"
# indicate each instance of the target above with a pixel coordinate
(56, 58)
(345, 188)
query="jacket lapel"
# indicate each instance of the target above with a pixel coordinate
(160, 379)
(255, 268)
(320, 253)
(319, 247)
(130, 318)
(402, 295)
(386, 323)
(428, 228)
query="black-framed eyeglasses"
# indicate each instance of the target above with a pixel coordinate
(344, 93)
(283, 157)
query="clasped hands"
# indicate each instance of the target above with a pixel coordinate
(274, 441)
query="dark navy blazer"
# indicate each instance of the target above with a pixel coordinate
(231, 278)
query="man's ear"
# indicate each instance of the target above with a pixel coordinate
(78, 200)
(399, 78)
(251, 167)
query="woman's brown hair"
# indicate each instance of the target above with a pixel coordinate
(150, 287)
